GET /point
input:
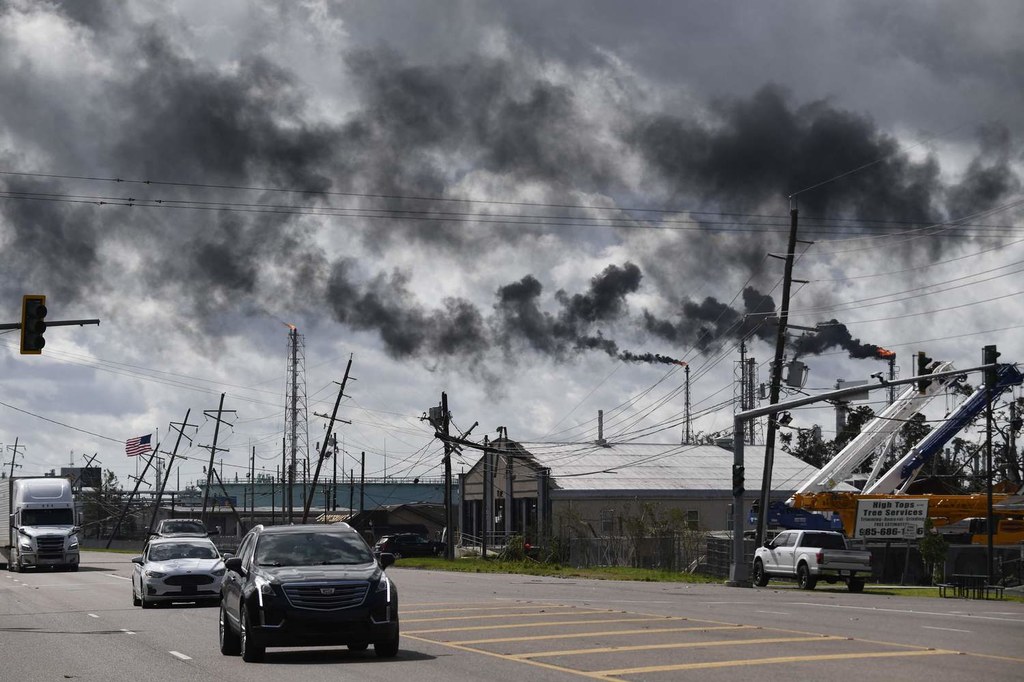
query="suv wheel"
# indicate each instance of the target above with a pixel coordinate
(388, 648)
(251, 649)
(230, 645)
(856, 584)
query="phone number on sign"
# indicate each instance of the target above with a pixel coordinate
(888, 532)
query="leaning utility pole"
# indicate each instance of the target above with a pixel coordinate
(180, 428)
(327, 438)
(128, 502)
(776, 380)
(213, 450)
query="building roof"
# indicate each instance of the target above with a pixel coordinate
(650, 467)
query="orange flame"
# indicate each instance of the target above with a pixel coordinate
(886, 354)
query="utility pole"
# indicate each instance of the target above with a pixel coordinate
(686, 434)
(989, 357)
(252, 481)
(362, 481)
(334, 481)
(180, 428)
(213, 451)
(14, 454)
(776, 381)
(440, 419)
(286, 495)
(327, 436)
(128, 502)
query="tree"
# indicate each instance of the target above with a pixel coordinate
(809, 446)
(933, 548)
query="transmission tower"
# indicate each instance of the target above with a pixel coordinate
(296, 418)
(744, 396)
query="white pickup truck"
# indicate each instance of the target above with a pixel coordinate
(809, 556)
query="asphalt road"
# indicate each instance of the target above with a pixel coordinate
(82, 626)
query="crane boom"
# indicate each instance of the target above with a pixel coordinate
(902, 474)
(874, 434)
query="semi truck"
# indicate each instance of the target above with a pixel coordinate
(37, 523)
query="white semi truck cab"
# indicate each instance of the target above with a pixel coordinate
(37, 523)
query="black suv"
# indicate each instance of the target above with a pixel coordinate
(407, 544)
(307, 585)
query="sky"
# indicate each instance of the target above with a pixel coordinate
(533, 207)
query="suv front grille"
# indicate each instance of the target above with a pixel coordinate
(326, 596)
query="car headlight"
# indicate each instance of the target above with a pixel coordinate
(25, 543)
(217, 571)
(384, 585)
(154, 574)
(73, 544)
(263, 588)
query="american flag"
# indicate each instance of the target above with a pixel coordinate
(137, 446)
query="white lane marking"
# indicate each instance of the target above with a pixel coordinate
(127, 631)
(178, 654)
(119, 577)
(777, 613)
(929, 627)
(92, 615)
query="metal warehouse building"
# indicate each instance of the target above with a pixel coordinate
(539, 489)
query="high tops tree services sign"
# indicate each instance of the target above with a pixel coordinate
(891, 519)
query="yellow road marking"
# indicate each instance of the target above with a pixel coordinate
(539, 664)
(617, 633)
(543, 624)
(507, 615)
(673, 645)
(768, 661)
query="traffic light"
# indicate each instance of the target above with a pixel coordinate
(737, 480)
(33, 324)
(989, 356)
(922, 368)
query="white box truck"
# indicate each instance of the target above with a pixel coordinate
(37, 523)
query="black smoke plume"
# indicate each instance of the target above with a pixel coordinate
(710, 324)
(650, 357)
(833, 334)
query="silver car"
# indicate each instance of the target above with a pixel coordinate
(177, 570)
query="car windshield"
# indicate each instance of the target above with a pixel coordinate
(310, 549)
(183, 527)
(169, 551)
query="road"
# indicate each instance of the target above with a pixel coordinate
(456, 627)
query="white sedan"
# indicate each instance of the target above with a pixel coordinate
(177, 570)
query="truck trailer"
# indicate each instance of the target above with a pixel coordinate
(37, 524)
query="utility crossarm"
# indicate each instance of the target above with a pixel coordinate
(902, 474)
(888, 422)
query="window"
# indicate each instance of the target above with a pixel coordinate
(607, 521)
(692, 519)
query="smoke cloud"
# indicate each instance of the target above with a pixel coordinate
(417, 131)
